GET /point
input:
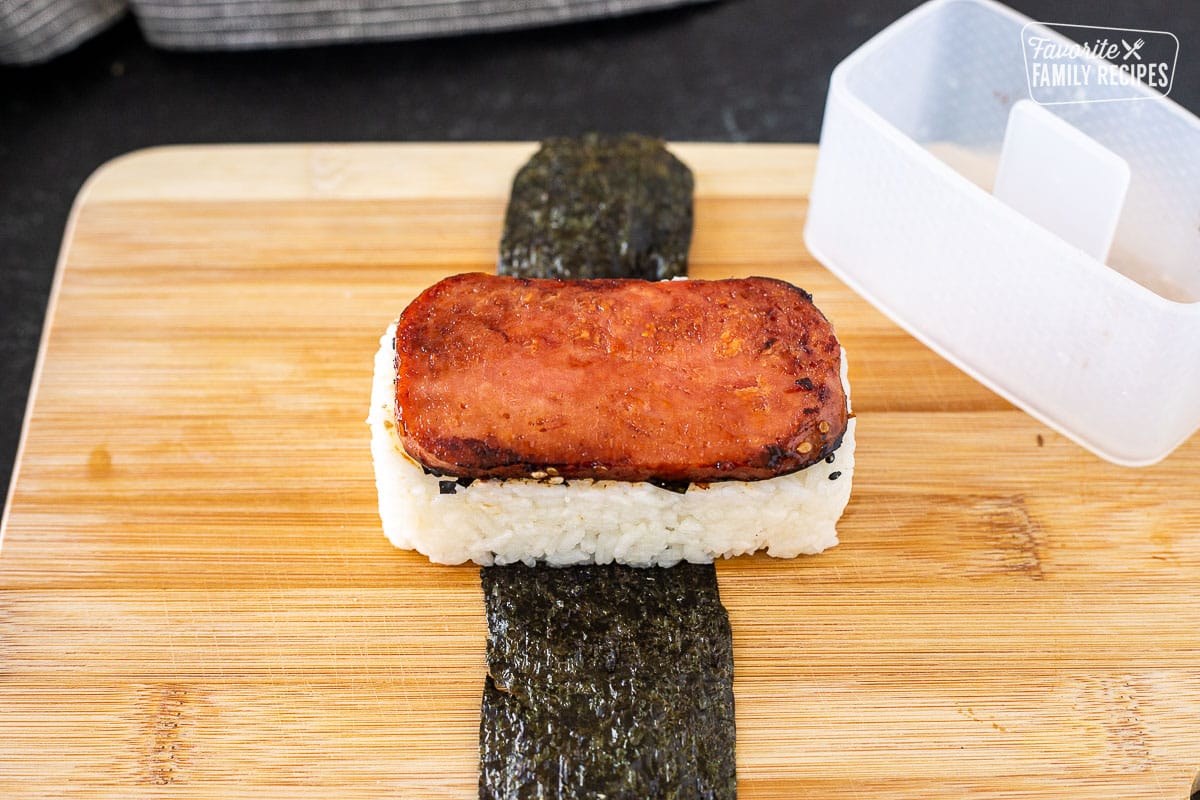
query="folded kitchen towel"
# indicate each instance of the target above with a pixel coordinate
(34, 30)
(37, 30)
(228, 24)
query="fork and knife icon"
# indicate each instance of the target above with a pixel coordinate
(1131, 50)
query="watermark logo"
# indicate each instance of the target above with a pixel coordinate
(1087, 64)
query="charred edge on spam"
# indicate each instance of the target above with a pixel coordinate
(616, 284)
(773, 456)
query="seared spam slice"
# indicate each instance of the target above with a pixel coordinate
(680, 381)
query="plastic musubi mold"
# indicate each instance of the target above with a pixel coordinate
(1044, 240)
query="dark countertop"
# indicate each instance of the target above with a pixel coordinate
(739, 70)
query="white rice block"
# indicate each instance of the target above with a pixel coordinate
(598, 521)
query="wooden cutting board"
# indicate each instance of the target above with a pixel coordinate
(196, 599)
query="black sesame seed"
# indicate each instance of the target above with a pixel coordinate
(678, 487)
(465, 482)
(447, 487)
(829, 458)
(833, 476)
(805, 383)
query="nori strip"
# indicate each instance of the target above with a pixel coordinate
(604, 681)
(599, 206)
(607, 681)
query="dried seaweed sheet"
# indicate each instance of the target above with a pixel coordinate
(604, 681)
(607, 682)
(599, 206)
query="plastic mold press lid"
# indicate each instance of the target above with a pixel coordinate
(1050, 250)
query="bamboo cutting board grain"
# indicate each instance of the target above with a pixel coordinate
(196, 599)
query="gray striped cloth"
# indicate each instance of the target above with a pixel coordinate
(37, 30)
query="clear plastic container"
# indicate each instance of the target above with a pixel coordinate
(1082, 308)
